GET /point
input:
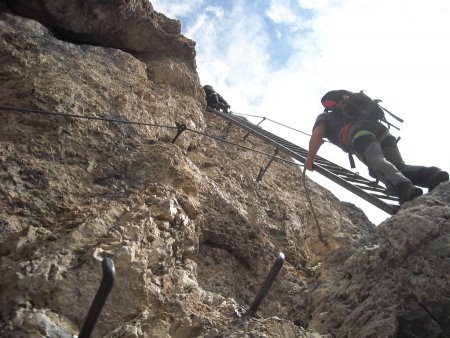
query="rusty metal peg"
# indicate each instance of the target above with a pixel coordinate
(246, 135)
(109, 274)
(267, 284)
(262, 170)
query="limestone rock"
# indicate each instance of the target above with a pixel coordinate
(191, 233)
(127, 25)
(394, 283)
(131, 26)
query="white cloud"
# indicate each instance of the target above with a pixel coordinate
(217, 11)
(280, 12)
(320, 5)
(233, 54)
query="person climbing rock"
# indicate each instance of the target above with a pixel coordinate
(352, 122)
(215, 100)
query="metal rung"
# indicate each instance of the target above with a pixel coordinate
(385, 197)
(370, 188)
(335, 173)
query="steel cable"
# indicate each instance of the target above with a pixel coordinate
(107, 119)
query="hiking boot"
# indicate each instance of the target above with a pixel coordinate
(436, 178)
(407, 192)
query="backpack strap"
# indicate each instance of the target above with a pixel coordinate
(352, 161)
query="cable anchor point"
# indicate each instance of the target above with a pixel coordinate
(180, 128)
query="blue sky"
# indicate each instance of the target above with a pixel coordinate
(276, 58)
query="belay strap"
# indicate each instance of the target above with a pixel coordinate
(353, 130)
(344, 137)
(344, 133)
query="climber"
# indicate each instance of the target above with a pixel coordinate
(352, 122)
(215, 100)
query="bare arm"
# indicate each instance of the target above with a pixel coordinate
(314, 144)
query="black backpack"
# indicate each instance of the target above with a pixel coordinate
(356, 107)
(360, 107)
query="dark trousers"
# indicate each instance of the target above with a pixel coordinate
(377, 148)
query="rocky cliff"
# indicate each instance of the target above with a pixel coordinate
(191, 233)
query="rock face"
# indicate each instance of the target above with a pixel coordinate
(191, 234)
(131, 25)
(393, 283)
